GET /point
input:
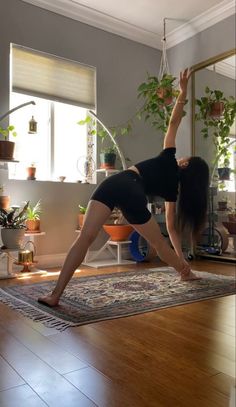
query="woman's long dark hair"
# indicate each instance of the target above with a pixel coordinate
(193, 196)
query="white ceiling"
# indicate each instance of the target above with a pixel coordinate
(142, 20)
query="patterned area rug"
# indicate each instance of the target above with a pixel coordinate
(97, 298)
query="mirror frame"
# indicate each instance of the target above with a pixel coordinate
(195, 68)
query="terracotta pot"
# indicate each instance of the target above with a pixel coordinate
(81, 219)
(32, 225)
(31, 171)
(118, 232)
(165, 94)
(217, 109)
(4, 202)
(6, 149)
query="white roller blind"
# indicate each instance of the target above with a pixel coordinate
(50, 77)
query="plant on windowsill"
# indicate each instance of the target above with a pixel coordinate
(31, 172)
(12, 224)
(108, 148)
(33, 217)
(218, 125)
(6, 146)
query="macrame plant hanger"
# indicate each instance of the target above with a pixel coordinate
(164, 66)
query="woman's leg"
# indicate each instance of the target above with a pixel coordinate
(96, 215)
(152, 233)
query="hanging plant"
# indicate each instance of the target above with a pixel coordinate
(217, 125)
(159, 98)
(212, 104)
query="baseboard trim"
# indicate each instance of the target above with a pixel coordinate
(57, 259)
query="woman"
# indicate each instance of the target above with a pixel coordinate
(127, 190)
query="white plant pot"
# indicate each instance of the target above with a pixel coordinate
(12, 238)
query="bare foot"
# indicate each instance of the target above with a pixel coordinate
(51, 300)
(189, 277)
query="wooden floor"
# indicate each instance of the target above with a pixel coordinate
(182, 356)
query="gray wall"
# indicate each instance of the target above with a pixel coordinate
(211, 42)
(121, 66)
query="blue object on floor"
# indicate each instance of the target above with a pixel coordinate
(138, 253)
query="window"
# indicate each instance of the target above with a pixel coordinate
(63, 92)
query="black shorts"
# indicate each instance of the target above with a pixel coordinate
(125, 191)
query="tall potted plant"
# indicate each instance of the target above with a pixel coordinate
(218, 124)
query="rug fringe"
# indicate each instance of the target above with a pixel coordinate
(33, 313)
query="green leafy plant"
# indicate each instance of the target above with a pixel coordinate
(14, 218)
(96, 129)
(7, 131)
(34, 211)
(159, 98)
(82, 209)
(217, 126)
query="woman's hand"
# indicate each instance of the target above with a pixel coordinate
(183, 79)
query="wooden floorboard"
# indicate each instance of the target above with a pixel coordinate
(182, 356)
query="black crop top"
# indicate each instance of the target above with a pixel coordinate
(160, 175)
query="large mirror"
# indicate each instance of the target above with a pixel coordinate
(214, 133)
(217, 74)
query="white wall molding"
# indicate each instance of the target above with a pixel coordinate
(95, 18)
(205, 20)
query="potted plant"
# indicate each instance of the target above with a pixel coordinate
(33, 217)
(108, 158)
(116, 226)
(4, 199)
(31, 171)
(12, 224)
(217, 125)
(159, 97)
(7, 147)
(82, 211)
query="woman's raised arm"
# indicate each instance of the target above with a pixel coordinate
(177, 113)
